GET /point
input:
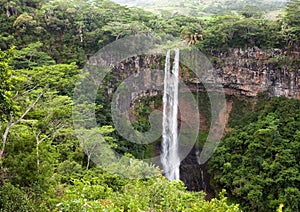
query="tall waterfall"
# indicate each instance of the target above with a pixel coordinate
(170, 158)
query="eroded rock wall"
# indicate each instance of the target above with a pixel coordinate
(252, 71)
(240, 72)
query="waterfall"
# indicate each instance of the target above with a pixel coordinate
(203, 184)
(202, 180)
(170, 158)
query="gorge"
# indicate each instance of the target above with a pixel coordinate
(243, 74)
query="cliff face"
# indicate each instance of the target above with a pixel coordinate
(240, 72)
(253, 70)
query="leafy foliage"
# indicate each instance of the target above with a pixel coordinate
(292, 29)
(96, 192)
(5, 83)
(258, 164)
(10, 194)
(237, 31)
(198, 8)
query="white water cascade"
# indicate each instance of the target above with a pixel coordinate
(170, 158)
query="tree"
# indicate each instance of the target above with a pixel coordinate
(257, 163)
(91, 142)
(11, 113)
(30, 57)
(293, 13)
(28, 87)
(48, 118)
(5, 83)
(13, 121)
(292, 27)
(235, 31)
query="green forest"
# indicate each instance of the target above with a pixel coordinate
(206, 7)
(44, 46)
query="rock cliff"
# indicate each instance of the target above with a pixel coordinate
(252, 71)
(240, 72)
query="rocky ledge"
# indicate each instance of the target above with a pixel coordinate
(240, 72)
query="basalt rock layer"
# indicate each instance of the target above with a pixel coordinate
(252, 71)
(240, 72)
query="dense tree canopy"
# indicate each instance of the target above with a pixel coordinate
(258, 163)
(293, 23)
(200, 7)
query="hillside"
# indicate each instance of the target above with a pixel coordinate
(206, 7)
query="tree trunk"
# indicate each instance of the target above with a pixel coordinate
(11, 123)
(88, 161)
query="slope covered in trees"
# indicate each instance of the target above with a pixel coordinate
(258, 161)
(207, 7)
